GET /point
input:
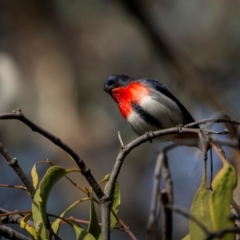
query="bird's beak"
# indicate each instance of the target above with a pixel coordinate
(107, 88)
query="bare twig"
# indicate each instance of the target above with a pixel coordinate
(105, 199)
(152, 219)
(13, 217)
(12, 162)
(224, 132)
(120, 139)
(18, 115)
(167, 222)
(230, 143)
(235, 207)
(168, 179)
(14, 186)
(219, 234)
(189, 216)
(213, 120)
(126, 229)
(123, 227)
(105, 207)
(9, 233)
(211, 168)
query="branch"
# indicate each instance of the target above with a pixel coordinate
(124, 151)
(213, 120)
(18, 115)
(152, 219)
(9, 233)
(168, 179)
(12, 162)
(189, 216)
(105, 207)
(167, 222)
(235, 207)
(221, 233)
(13, 217)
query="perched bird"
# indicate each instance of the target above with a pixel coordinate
(146, 104)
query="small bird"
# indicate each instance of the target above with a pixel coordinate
(146, 104)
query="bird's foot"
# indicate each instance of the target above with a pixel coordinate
(179, 127)
(149, 135)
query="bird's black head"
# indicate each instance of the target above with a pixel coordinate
(116, 80)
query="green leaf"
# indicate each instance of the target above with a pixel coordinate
(223, 185)
(116, 201)
(34, 173)
(93, 226)
(81, 234)
(105, 179)
(55, 225)
(39, 204)
(186, 237)
(31, 230)
(34, 176)
(200, 209)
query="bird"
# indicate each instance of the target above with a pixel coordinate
(147, 104)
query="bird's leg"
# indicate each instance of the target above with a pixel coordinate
(179, 127)
(149, 135)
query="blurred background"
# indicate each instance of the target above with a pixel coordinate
(54, 59)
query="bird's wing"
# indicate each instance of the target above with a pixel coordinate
(164, 90)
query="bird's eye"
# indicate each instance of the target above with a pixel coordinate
(111, 82)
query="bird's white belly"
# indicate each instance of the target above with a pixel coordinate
(166, 112)
(139, 125)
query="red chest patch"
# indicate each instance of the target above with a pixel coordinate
(124, 96)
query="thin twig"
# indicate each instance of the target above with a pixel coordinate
(105, 207)
(189, 216)
(167, 178)
(224, 132)
(14, 186)
(122, 228)
(12, 162)
(213, 120)
(120, 139)
(9, 233)
(18, 115)
(152, 219)
(167, 222)
(211, 168)
(219, 234)
(13, 217)
(235, 207)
